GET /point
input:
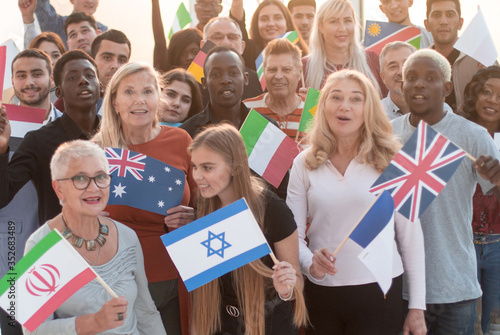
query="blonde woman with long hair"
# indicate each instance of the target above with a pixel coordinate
(256, 298)
(334, 45)
(129, 121)
(351, 144)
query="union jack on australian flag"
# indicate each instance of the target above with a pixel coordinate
(419, 171)
(143, 182)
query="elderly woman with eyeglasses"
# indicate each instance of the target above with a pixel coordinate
(81, 181)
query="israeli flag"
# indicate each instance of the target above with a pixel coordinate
(216, 244)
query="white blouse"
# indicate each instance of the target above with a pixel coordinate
(334, 203)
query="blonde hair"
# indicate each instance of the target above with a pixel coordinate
(252, 281)
(111, 132)
(318, 60)
(377, 146)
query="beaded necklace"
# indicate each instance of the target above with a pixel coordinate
(77, 241)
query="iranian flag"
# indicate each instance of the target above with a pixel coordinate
(42, 280)
(270, 151)
(23, 119)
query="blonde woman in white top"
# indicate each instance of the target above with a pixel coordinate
(351, 144)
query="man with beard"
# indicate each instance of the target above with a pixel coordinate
(32, 79)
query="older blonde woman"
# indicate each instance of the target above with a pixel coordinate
(129, 121)
(351, 144)
(335, 45)
(81, 181)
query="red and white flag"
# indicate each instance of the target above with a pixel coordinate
(23, 119)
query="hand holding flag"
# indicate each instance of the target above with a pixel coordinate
(24, 119)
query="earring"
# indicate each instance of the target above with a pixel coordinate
(61, 202)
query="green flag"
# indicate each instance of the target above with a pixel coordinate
(182, 19)
(310, 107)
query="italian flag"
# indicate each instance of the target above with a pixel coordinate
(42, 280)
(182, 19)
(309, 111)
(23, 119)
(270, 151)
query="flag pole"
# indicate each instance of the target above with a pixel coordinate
(354, 227)
(99, 279)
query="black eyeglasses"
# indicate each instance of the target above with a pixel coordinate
(81, 182)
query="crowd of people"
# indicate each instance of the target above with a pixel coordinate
(444, 264)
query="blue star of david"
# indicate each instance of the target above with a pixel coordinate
(211, 251)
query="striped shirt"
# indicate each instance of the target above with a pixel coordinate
(289, 123)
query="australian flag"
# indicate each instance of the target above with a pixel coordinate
(419, 171)
(143, 182)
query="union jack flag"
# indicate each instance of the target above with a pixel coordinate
(419, 171)
(125, 161)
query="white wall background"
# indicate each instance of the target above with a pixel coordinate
(133, 17)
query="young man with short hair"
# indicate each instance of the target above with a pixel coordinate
(444, 20)
(452, 286)
(206, 10)
(110, 50)
(81, 29)
(303, 13)
(398, 11)
(32, 80)
(48, 18)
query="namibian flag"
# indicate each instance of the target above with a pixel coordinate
(292, 36)
(42, 280)
(196, 67)
(24, 119)
(270, 151)
(310, 107)
(378, 34)
(3, 61)
(182, 19)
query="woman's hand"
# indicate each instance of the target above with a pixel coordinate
(323, 262)
(284, 278)
(415, 323)
(106, 318)
(179, 216)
